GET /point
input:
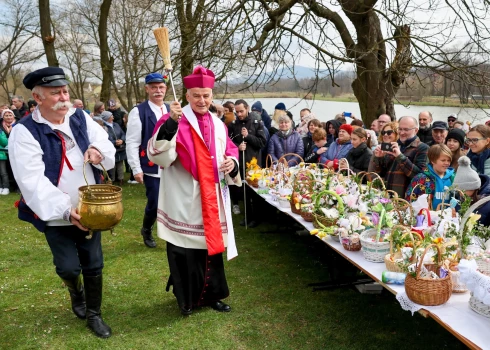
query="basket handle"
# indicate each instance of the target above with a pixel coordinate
(371, 183)
(427, 213)
(283, 158)
(395, 200)
(403, 228)
(421, 262)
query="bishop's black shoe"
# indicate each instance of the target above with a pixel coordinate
(185, 311)
(220, 306)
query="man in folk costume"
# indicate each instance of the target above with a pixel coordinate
(48, 153)
(141, 122)
(194, 213)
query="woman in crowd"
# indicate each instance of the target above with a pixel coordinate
(478, 140)
(7, 121)
(433, 181)
(455, 142)
(360, 155)
(338, 149)
(286, 140)
(118, 139)
(312, 125)
(332, 129)
(387, 134)
(474, 185)
(279, 111)
(99, 107)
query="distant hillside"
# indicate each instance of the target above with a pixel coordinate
(300, 72)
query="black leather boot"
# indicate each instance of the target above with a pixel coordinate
(146, 231)
(75, 287)
(93, 294)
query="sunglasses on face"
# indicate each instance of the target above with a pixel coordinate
(470, 141)
(451, 120)
(387, 132)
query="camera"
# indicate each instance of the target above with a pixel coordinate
(386, 146)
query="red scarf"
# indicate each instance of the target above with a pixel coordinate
(209, 199)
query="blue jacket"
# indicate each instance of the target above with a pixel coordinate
(484, 191)
(279, 146)
(336, 151)
(440, 183)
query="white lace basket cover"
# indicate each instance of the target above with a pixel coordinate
(478, 284)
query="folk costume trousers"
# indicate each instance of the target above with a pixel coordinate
(73, 253)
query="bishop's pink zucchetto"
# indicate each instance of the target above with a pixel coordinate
(200, 78)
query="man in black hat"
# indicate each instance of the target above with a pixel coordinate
(50, 150)
(141, 121)
(439, 133)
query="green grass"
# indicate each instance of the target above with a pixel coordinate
(272, 306)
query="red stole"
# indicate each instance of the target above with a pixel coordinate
(209, 199)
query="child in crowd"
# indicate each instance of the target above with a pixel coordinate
(435, 179)
(478, 140)
(455, 142)
(319, 138)
(360, 154)
(312, 125)
(474, 185)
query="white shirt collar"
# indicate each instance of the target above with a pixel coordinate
(38, 118)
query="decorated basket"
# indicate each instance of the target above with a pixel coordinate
(253, 183)
(283, 202)
(349, 244)
(373, 251)
(390, 258)
(307, 216)
(426, 291)
(480, 308)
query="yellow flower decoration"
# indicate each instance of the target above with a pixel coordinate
(314, 232)
(255, 176)
(472, 220)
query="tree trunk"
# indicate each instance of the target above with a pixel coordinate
(106, 62)
(47, 37)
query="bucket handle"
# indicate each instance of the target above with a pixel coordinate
(85, 175)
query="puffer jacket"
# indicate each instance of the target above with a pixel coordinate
(280, 145)
(335, 152)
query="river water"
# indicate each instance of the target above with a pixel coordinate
(326, 110)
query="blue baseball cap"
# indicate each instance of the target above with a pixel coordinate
(155, 78)
(49, 76)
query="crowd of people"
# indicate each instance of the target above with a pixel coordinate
(192, 160)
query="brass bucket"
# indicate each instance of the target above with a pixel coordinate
(100, 206)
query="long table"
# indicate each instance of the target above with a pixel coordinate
(455, 315)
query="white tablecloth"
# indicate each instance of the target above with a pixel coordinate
(455, 315)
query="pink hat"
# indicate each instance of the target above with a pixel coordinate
(200, 78)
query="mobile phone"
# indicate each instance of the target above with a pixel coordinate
(347, 114)
(386, 146)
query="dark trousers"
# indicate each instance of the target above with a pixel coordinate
(152, 185)
(73, 253)
(197, 279)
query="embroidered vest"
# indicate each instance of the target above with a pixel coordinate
(52, 152)
(148, 122)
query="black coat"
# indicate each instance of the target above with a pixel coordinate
(359, 158)
(255, 140)
(426, 135)
(308, 143)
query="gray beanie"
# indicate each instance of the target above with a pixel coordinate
(466, 178)
(106, 115)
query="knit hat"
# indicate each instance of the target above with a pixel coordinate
(346, 127)
(7, 110)
(105, 115)
(466, 178)
(458, 135)
(281, 106)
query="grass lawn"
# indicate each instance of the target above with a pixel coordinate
(272, 306)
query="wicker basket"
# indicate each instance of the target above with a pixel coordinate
(324, 220)
(307, 216)
(483, 266)
(373, 251)
(425, 291)
(283, 202)
(390, 263)
(349, 245)
(253, 183)
(480, 308)
(293, 206)
(458, 285)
